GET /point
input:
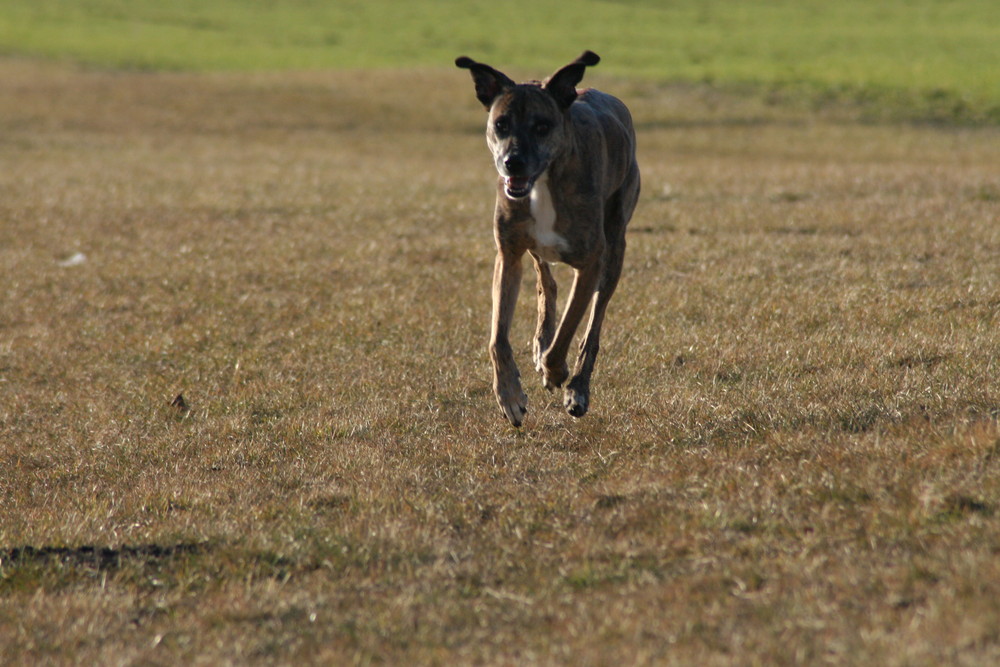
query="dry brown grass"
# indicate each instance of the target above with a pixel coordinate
(792, 456)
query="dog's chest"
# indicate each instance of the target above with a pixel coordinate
(549, 244)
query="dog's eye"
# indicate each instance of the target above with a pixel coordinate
(501, 126)
(542, 128)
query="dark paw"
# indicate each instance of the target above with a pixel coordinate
(576, 403)
(555, 377)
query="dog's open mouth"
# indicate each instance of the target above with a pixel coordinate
(517, 187)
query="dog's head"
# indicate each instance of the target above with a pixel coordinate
(528, 122)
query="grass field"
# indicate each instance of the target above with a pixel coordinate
(911, 59)
(793, 451)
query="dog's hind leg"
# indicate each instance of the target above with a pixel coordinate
(585, 282)
(576, 397)
(547, 291)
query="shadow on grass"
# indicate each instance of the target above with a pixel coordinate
(100, 558)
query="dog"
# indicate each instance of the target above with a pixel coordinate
(568, 184)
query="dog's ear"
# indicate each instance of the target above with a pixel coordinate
(489, 82)
(562, 84)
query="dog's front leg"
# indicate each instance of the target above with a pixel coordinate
(547, 292)
(506, 378)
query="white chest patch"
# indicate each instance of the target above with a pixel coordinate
(548, 243)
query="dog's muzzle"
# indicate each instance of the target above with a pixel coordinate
(518, 187)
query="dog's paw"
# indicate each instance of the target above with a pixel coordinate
(553, 376)
(513, 403)
(576, 402)
(576, 398)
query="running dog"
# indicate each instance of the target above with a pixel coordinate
(568, 183)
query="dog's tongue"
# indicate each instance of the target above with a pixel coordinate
(518, 184)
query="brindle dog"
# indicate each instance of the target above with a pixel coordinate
(568, 184)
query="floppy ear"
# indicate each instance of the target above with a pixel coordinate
(489, 82)
(562, 84)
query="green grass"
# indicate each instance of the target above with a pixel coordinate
(913, 59)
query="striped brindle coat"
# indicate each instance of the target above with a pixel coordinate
(568, 183)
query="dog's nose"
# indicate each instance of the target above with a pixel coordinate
(514, 164)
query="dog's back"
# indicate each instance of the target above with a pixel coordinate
(606, 124)
(610, 112)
